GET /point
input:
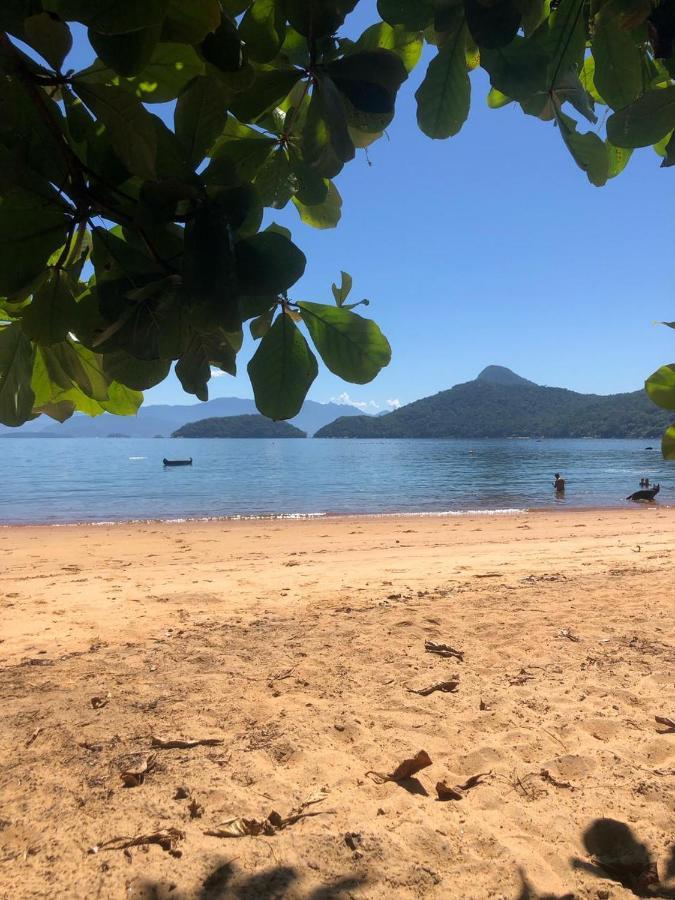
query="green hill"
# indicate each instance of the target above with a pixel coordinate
(503, 405)
(238, 427)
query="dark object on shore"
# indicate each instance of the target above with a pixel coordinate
(177, 462)
(645, 495)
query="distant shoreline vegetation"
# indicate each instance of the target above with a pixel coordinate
(238, 427)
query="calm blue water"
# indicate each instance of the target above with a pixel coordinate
(92, 480)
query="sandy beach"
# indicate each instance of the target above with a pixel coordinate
(296, 650)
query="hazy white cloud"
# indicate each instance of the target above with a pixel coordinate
(344, 399)
(217, 373)
(393, 403)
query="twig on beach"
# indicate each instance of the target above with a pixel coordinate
(447, 687)
(458, 792)
(668, 722)
(569, 634)
(177, 744)
(547, 776)
(167, 840)
(443, 650)
(33, 736)
(241, 827)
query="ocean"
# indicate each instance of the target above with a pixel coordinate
(67, 480)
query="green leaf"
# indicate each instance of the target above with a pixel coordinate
(668, 443)
(587, 79)
(518, 70)
(414, 15)
(263, 29)
(588, 150)
(645, 121)
(274, 181)
(341, 293)
(618, 159)
(261, 325)
(50, 37)
(108, 17)
(618, 63)
(122, 400)
(193, 370)
(321, 215)
(370, 79)
(189, 23)
(31, 229)
(661, 387)
(282, 370)
(16, 367)
(223, 47)
(444, 96)
(131, 129)
(496, 100)
(238, 151)
(566, 40)
(268, 263)
(200, 117)
(125, 54)
(209, 265)
(669, 153)
(170, 68)
(137, 374)
(270, 87)
(352, 347)
(326, 144)
(318, 18)
(49, 317)
(492, 25)
(407, 45)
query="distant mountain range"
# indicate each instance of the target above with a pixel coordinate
(238, 427)
(162, 421)
(500, 403)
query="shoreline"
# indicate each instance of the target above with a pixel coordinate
(561, 507)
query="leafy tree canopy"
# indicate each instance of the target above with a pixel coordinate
(127, 245)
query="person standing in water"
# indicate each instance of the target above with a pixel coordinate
(559, 484)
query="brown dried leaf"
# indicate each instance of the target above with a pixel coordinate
(473, 780)
(405, 769)
(448, 687)
(445, 792)
(547, 776)
(443, 650)
(665, 720)
(177, 744)
(99, 702)
(240, 827)
(135, 767)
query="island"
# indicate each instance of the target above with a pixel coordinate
(238, 427)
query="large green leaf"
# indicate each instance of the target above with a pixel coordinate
(661, 387)
(263, 28)
(268, 263)
(407, 45)
(31, 228)
(269, 88)
(193, 369)
(209, 266)
(352, 347)
(108, 17)
(566, 39)
(275, 182)
(370, 79)
(124, 54)
(49, 36)
(318, 18)
(519, 70)
(321, 215)
(131, 128)
(645, 121)
(282, 370)
(326, 143)
(16, 367)
(414, 15)
(668, 443)
(588, 150)
(137, 374)
(189, 23)
(49, 317)
(492, 25)
(444, 96)
(200, 116)
(618, 63)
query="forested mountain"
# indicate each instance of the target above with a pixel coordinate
(238, 427)
(501, 404)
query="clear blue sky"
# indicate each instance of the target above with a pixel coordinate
(490, 247)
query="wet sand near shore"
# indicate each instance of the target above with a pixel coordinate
(297, 651)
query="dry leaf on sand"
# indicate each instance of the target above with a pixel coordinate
(447, 792)
(443, 650)
(405, 769)
(167, 840)
(241, 827)
(447, 687)
(667, 721)
(135, 766)
(177, 744)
